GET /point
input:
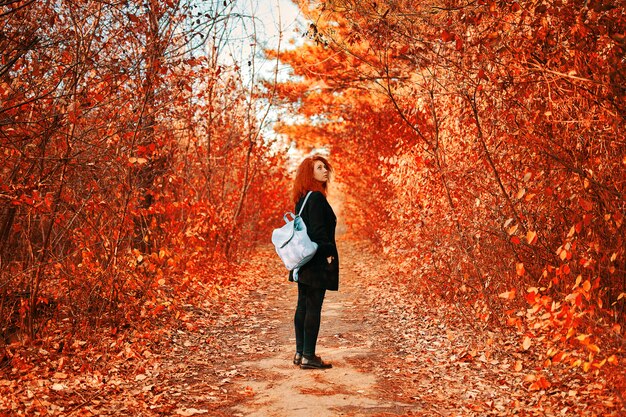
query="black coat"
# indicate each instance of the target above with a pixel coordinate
(320, 221)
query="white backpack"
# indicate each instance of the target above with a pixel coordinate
(292, 242)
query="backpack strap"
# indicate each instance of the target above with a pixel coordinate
(303, 204)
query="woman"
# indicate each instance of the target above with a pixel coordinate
(321, 273)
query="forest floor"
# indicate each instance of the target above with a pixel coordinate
(394, 353)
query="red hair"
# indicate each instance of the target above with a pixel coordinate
(304, 178)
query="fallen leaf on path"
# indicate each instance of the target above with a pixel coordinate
(190, 411)
(526, 343)
(508, 295)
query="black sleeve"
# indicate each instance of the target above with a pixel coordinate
(317, 226)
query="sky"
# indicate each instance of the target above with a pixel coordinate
(272, 18)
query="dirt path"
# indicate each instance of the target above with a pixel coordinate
(366, 333)
(393, 354)
(282, 389)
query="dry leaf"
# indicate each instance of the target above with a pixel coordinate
(585, 204)
(593, 348)
(508, 295)
(190, 411)
(526, 343)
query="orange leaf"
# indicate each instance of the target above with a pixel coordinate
(508, 295)
(579, 278)
(571, 232)
(139, 161)
(446, 36)
(519, 268)
(459, 44)
(526, 343)
(531, 237)
(544, 383)
(512, 321)
(579, 227)
(585, 204)
(593, 348)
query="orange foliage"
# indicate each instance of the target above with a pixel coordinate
(481, 145)
(127, 164)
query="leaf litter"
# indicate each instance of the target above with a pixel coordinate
(396, 352)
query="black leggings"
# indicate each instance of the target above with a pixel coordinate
(307, 318)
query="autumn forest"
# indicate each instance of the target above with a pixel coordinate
(479, 152)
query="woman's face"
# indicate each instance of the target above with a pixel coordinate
(320, 172)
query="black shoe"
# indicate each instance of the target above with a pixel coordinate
(314, 362)
(297, 358)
